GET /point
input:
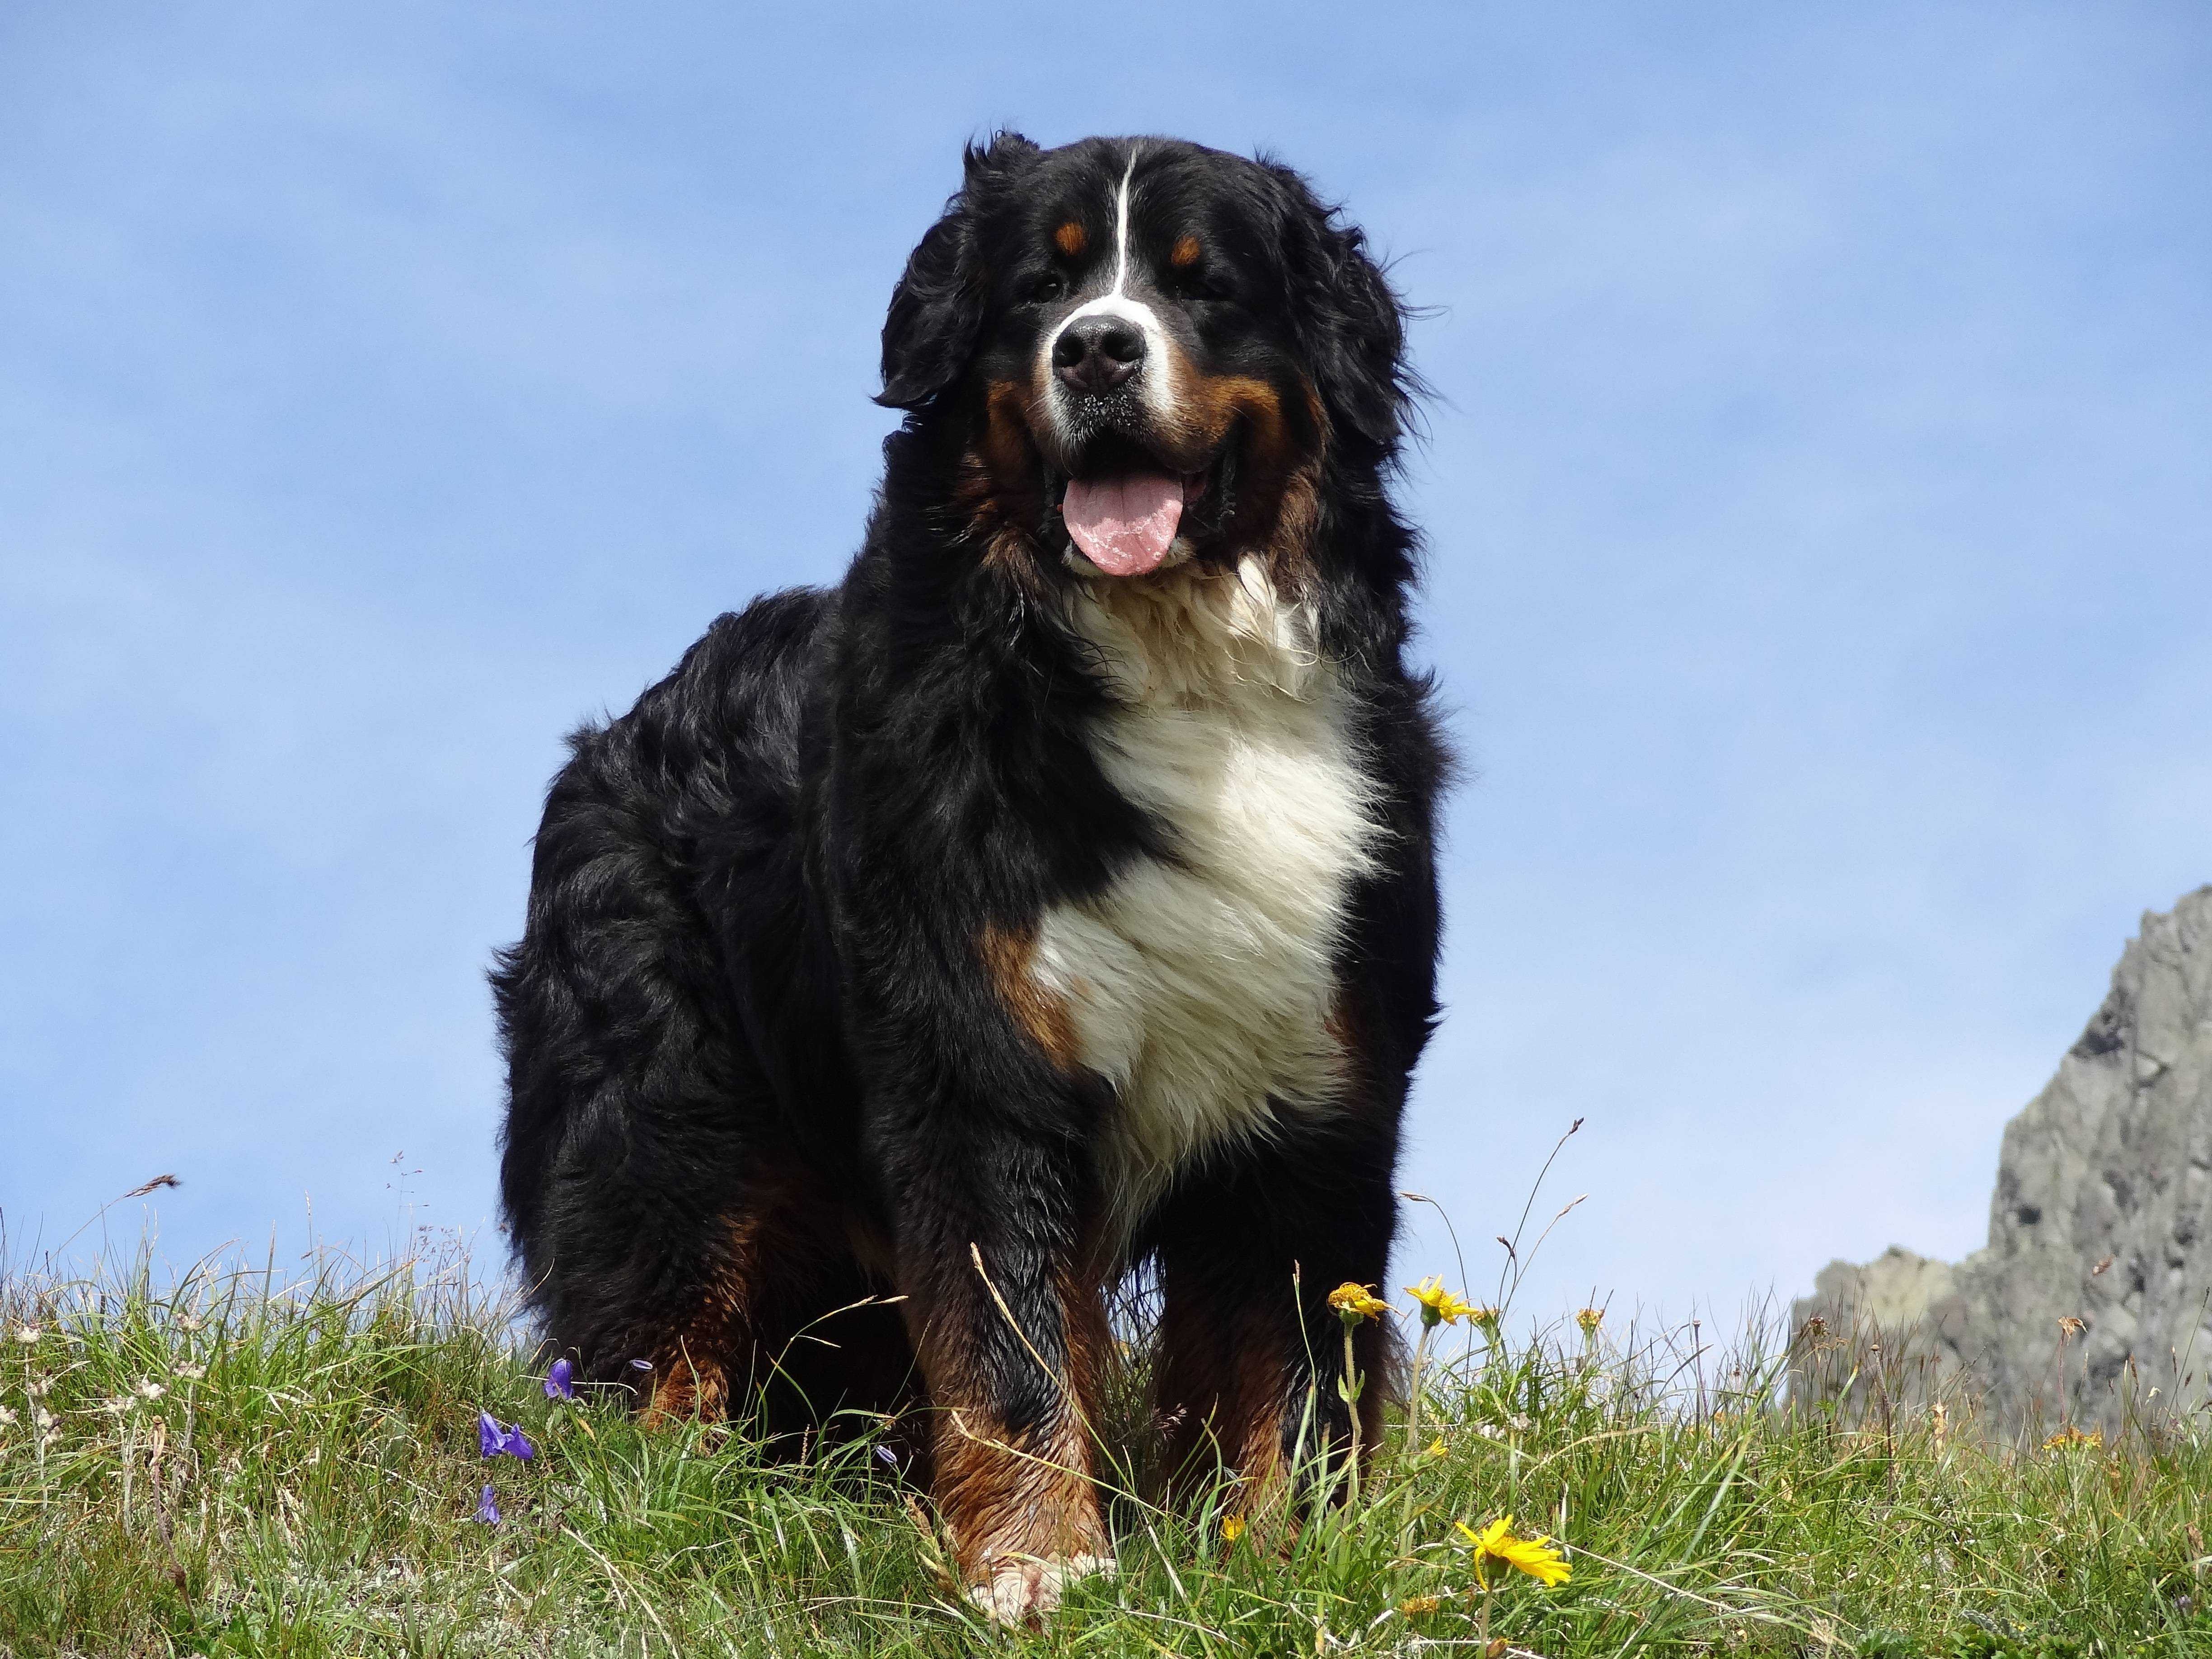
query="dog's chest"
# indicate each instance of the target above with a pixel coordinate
(1204, 989)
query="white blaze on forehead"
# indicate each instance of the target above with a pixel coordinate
(1122, 224)
(1153, 378)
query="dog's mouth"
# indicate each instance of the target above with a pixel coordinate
(1124, 505)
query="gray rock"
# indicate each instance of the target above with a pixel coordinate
(2100, 1216)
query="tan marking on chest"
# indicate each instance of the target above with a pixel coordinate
(1007, 958)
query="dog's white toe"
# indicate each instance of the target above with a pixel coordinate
(1023, 1588)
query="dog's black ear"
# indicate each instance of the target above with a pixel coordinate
(1351, 322)
(937, 309)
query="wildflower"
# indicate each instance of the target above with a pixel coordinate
(558, 1383)
(640, 1365)
(1589, 1319)
(2070, 1326)
(1354, 1303)
(1538, 1557)
(7, 1417)
(1413, 1607)
(187, 1323)
(27, 1334)
(493, 1440)
(1437, 1447)
(886, 1456)
(190, 1373)
(147, 1388)
(1438, 1305)
(1233, 1528)
(42, 1418)
(2070, 1436)
(488, 1507)
(1485, 1320)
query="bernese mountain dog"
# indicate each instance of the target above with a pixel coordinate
(1055, 895)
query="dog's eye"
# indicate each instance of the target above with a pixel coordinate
(1199, 285)
(1050, 286)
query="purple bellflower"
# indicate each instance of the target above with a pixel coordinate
(488, 1507)
(492, 1440)
(559, 1381)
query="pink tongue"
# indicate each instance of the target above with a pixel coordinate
(1124, 525)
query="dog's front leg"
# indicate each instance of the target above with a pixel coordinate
(1011, 1337)
(980, 1145)
(1251, 1371)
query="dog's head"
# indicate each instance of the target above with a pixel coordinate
(1144, 351)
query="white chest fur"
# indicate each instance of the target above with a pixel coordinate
(1203, 989)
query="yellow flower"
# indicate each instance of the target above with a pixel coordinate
(1438, 1305)
(1233, 1528)
(1415, 1605)
(1538, 1557)
(1589, 1319)
(1354, 1303)
(1437, 1447)
(2074, 1437)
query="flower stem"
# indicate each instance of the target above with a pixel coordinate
(1414, 1393)
(1351, 1405)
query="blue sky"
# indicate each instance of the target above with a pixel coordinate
(1817, 499)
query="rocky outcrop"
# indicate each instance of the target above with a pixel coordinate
(2101, 1215)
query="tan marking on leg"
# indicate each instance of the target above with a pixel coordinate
(1021, 1505)
(691, 1370)
(1220, 1390)
(687, 1387)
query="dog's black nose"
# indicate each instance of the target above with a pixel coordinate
(1096, 354)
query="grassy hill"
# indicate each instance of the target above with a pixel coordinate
(239, 1464)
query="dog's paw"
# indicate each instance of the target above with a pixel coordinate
(1023, 1588)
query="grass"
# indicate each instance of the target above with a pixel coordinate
(236, 1464)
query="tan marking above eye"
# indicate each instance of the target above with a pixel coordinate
(1071, 239)
(1184, 253)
